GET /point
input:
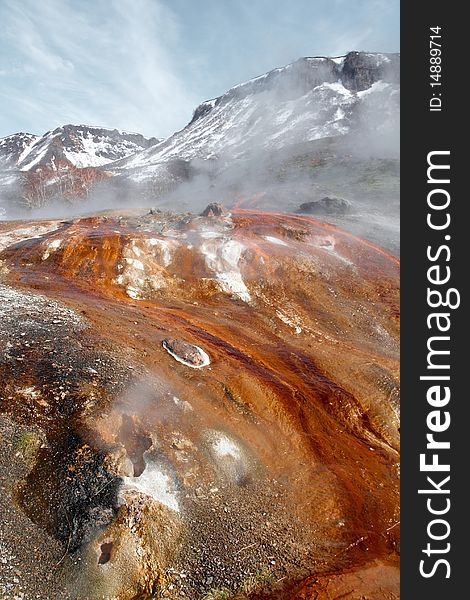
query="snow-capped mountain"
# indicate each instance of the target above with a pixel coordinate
(310, 99)
(62, 165)
(79, 145)
(285, 137)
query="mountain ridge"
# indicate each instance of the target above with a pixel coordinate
(311, 98)
(357, 71)
(352, 98)
(81, 145)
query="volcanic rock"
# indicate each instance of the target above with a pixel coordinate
(325, 206)
(214, 209)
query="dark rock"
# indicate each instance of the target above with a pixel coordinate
(12, 146)
(203, 109)
(325, 206)
(214, 209)
(180, 169)
(362, 69)
(136, 441)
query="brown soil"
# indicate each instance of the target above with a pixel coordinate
(283, 453)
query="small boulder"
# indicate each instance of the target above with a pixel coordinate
(329, 205)
(214, 209)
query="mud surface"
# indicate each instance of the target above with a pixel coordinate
(275, 463)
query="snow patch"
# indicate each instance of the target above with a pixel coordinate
(34, 160)
(210, 103)
(337, 87)
(339, 60)
(258, 78)
(379, 58)
(27, 149)
(339, 114)
(378, 86)
(7, 179)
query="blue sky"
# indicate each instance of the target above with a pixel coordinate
(144, 65)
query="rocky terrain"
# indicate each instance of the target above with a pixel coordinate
(201, 400)
(198, 406)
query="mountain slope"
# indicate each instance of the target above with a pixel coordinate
(310, 99)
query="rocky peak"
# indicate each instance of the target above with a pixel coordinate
(357, 71)
(13, 146)
(69, 134)
(362, 69)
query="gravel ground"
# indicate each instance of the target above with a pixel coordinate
(32, 564)
(38, 341)
(238, 541)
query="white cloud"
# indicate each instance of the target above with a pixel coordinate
(107, 62)
(144, 65)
